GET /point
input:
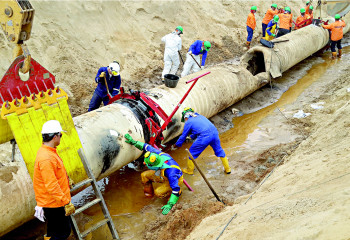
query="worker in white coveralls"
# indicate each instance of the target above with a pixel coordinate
(173, 45)
(193, 58)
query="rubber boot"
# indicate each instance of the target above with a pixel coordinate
(224, 161)
(190, 167)
(46, 238)
(339, 53)
(334, 55)
(247, 44)
(148, 189)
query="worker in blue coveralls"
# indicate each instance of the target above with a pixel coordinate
(163, 169)
(111, 75)
(197, 48)
(204, 133)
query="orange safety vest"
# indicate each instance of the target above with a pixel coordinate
(251, 21)
(337, 30)
(285, 20)
(299, 20)
(269, 15)
(50, 179)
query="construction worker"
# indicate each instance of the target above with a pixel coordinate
(272, 28)
(336, 29)
(270, 13)
(251, 24)
(300, 22)
(309, 14)
(111, 76)
(193, 58)
(51, 184)
(285, 21)
(170, 175)
(200, 129)
(308, 5)
(173, 45)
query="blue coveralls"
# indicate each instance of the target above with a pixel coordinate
(100, 94)
(204, 133)
(196, 49)
(173, 174)
(270, 27)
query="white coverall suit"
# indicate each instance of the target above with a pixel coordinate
(173, 44)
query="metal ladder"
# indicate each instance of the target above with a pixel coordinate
(99, 199)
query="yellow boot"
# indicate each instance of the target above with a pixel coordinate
(190, 167)
(339, 53)
(46, 238)
(224, 161)
(334, 55)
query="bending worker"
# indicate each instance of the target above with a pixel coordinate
(173, 45)
(272, 28)
(285, 20)
(336, 35)
(270, 13)
(170, 174)
(111, 76)
(251, 24)
(193, 58)
(51, 185)
(309, 14)
(204, 133)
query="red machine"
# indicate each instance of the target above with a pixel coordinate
(155, 130)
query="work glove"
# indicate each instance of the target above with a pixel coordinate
(202, 67)
(137, 144)
(71, 183)
(101, 78)
(190, 52)
(173, 147)
(102, 75)
(69, 209)
(273, 35)
(188, 139)
(172, 201)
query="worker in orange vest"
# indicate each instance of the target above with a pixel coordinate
(336, 35)
(51, 184)
(268, 17)
(300, 22)
(308, 5)
(251, 24)
(285, 22)
(309, 14)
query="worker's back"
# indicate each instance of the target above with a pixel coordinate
(201, 126)
(285, 20)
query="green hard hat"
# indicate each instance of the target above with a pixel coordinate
(153, 159)
(253, 8)
(308, 2)
(337, 16)
(276, 18)
(287, 9)
(302, 10)
(180, 29)
(311, 8)
(274, 5)
(186, 110)
(207, 45)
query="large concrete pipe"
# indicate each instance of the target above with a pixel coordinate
(101, 131)
(298, 46)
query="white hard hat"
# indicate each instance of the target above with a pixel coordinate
(115, 68)
(52, 126)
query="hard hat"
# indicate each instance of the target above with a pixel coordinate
(180, 29)
(337, 16)
(311, 8)
(253, 8)
(186, 110)
(274, 5)
(207, 45)
(302, 10)
(153, 159)
(115, 68)
(308, 2)
(276, 18)
(287, 9)
(52, 126)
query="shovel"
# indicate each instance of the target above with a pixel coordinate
(108, 93)
(181, 57)
(196, 61)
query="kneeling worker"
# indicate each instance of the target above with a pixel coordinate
(197, 48)
(111, 76)
(272, 28)
(170, 174)
(204, 133)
